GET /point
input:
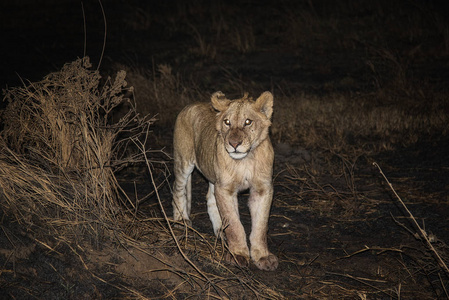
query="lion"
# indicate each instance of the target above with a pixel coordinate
(228, 142)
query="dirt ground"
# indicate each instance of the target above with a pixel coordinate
(337, 227)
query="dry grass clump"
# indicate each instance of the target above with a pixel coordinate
(60, 148)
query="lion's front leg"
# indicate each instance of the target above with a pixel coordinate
(235, 234)
(259, 206)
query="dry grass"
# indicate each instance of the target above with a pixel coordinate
(339, 122)
(60, 149)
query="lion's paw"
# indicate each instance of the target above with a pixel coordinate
(237, 259)
(267, 263)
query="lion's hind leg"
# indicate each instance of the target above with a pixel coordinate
(212, 210)
(182, 192)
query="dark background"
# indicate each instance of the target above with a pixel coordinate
(40, 36)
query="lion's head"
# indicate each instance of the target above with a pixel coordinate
(242, 123)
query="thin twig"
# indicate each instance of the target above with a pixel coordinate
(420, 230)
(363, 281)
(105, 34)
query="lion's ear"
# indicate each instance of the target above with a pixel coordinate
(219, 101)
(265, 104)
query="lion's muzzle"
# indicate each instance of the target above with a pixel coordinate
(236, 150)
(236, 146)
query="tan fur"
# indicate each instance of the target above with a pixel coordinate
(228, 142)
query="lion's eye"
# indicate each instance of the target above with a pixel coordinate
(227, 122)
(248, 122)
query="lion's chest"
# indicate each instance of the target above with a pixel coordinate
(237, 176)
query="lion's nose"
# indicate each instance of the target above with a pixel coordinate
(234, 144)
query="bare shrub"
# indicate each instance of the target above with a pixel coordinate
(60, 149)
